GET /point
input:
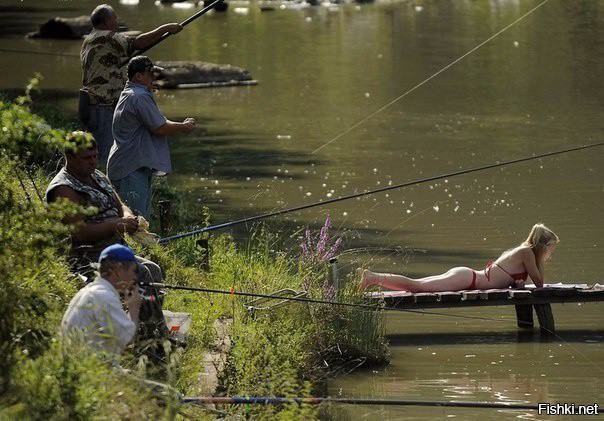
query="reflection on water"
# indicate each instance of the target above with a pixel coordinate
(482, 360)
(535, 88)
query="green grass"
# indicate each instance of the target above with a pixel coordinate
(287, 351)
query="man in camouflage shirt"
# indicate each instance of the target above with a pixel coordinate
(102, 52)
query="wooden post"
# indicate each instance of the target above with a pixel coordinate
(546, 318)
(524, 316)
(165, 217)
(204, 263)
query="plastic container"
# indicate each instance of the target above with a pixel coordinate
(178, 324)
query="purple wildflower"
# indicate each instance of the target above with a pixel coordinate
(329, 292)
(314, 254)
(333, 250)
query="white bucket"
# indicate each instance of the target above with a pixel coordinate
(178, 324)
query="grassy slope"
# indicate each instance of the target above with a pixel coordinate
(276, 353)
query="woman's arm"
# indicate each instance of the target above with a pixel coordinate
(534, 268)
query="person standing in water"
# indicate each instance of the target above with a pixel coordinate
(511, 269)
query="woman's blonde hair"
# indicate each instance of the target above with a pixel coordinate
(539, 238)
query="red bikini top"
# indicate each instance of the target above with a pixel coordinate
(521, 276)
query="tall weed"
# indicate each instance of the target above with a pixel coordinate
(35, 279)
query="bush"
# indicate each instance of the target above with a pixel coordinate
(278, 352)
(293, 349)
(35, 279)
(68, 382)
(40, 377)
(27, 136)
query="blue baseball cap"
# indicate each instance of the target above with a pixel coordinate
(118, 252)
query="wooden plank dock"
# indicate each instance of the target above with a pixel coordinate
(524, 300)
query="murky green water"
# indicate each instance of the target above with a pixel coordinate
(445, 358)
(330, 79)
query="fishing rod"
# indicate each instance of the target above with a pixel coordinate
(370, 192)
(268, 400)
(232, 291)
(33, 183)
(138, 52)
(372, 307)
(168, 34)
(27, 196)
(277, 400)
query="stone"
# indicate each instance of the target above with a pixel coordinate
(67, 28)
(197, 74)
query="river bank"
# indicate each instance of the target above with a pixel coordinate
(289, 351)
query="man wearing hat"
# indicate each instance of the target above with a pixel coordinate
(96, 312)
(103, 50)
(140, 130)
(81, 183)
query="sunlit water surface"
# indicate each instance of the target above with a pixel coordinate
(331, 116)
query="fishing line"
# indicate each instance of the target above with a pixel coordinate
(372, 260)
(573, 348)
(377, 251)
(168, 34)
(429, 78)
(367, 307)
(370, 192)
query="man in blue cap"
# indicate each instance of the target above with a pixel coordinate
(79, 182)
(96, 312)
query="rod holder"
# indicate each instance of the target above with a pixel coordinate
(204, 261)
(165, 217)
(333, 274)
